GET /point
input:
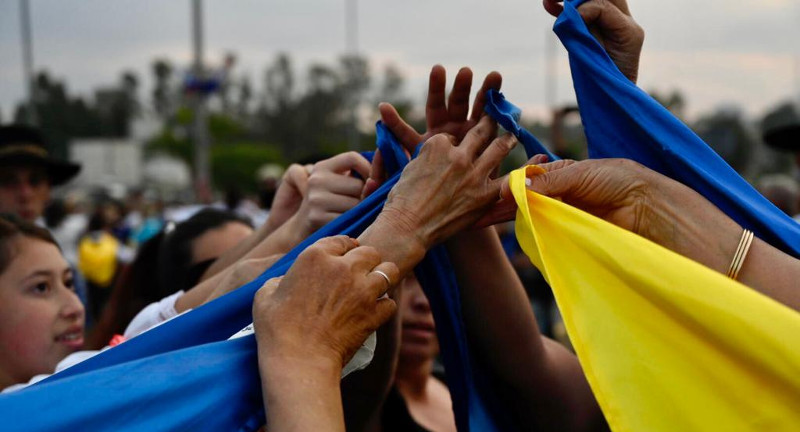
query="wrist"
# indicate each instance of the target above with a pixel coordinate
(685, 222)
(398, 238)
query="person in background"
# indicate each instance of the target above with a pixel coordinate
(100, 257)
(781, 190)
(419, 400)
(169, 263)
(27, 175)
(28, 172)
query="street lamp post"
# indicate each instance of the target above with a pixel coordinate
(351, 46)
(27, 60)
(201, 138)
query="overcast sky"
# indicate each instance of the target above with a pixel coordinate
(718, 52)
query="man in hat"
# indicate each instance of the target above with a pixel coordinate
(27, 172)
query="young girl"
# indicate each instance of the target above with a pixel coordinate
(41, 317)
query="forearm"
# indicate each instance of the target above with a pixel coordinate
(544, 381)
(688, 224)
(238, 251)
(496, 309)
(229, 279)
(300, 394)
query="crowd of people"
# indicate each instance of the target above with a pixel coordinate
(310, 322)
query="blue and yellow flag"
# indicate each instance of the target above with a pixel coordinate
(666, 343)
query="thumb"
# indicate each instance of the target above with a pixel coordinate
(557, 182)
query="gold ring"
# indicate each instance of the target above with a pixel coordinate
(385, 276)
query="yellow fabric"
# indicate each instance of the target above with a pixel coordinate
(666, 343)
(97, 258)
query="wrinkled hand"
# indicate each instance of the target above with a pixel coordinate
(449, 185)
(620, 191)
(611, 23)
(505, 209)
(327, 304)
(449, 117)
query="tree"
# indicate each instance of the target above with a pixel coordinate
(162, 74)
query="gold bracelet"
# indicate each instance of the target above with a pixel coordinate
(741, 254)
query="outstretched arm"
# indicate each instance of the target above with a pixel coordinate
(539, 377)
(308, 198)
(671, 214)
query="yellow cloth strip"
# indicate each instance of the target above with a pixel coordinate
(666, 343)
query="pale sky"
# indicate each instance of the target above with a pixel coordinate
(718, 52)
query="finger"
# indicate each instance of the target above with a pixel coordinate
(262, 297)
(332, 204)
(622, 5)
(363, 259)
(401, 130)
(383, 285)
(435, 109)
(297, 177)
(344, 162)
(604, 13)
(561, 182)
(458, 102)
(538, 159)
(553, 7)
(377, 171)
(385, 309)
(504, 210)
(479, 136)
(555, 165)
(495, 153)
(492, 81)
(335, 245)
(337, 184)
(370, 186)
(270, 286)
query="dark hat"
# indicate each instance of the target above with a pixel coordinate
(23, 145)
(781, 128)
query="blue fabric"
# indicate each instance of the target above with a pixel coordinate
(622, 121)
(185, 374)
(508, 115)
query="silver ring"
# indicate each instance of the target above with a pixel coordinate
(385, 276)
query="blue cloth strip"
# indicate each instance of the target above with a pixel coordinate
(185, 374)
(622, 121)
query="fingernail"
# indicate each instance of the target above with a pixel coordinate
(528, 182)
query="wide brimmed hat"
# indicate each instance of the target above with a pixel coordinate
(781, 128)
(23, 145)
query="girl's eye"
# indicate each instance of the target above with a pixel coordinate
(70, 284)
(41, 288)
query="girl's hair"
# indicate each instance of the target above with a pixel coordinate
(162, 266)
(12, 227)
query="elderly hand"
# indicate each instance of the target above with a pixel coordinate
(330, 300)
(449, 117)
(449, 185)
(620, 191)
(611, 23)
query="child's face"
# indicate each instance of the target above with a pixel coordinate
(41, 317)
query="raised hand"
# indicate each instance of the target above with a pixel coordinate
(450, 184)
(450, 115)
(611, 23)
